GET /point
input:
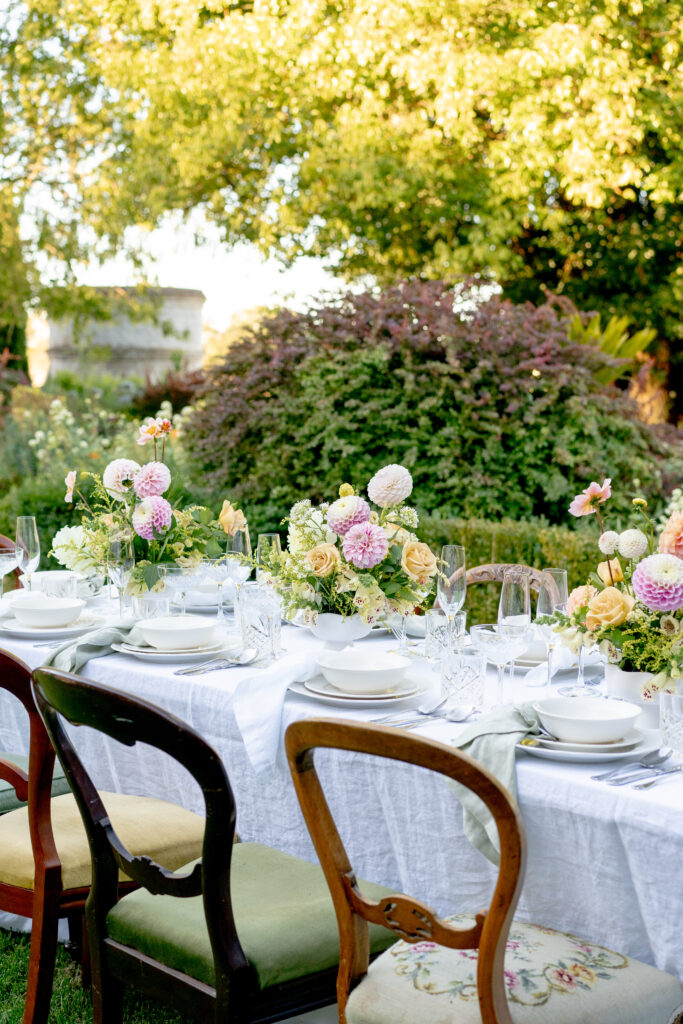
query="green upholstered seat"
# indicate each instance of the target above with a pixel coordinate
(8, 798)
(283, 912)
(550, 978)
(166, 832)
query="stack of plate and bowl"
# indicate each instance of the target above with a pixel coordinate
(176, 638)
(35, 616)
(357, 677)
(586, 729)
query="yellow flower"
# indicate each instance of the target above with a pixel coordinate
(396, 534)
(346, 490)
(609, 608)
(323, 559)
(604, 572)
(231, 519)
(418, 561)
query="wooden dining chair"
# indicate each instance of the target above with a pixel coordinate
(44, 854)
(462, 970)
(494, 572)
(247, 933)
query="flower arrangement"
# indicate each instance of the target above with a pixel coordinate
(347, 558)
(136, 500)
(632, 608)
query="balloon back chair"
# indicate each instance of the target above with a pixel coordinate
(247, 933)
(44, 854)
(484, 969)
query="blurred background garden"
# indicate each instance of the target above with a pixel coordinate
(490, 192)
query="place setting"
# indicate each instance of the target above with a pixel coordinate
(361, 678)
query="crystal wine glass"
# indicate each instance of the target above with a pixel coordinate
(28, 547)
(218, 570)
(238, 556)
(120, 563)
(451, 586)
(552, 597)
(500, 644)
(268, 550)
(514, 607)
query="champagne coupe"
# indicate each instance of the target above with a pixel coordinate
(120, 563)
(28, 547)
(514, 607)
(500, 643)
(552, 597)
(451, 585)
(268, 550)
(8, 561)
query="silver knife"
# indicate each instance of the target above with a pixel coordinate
(644, 773)
(661, 774)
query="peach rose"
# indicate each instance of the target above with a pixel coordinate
(671, 539)
(604, 573)
(608, 608)
(323, 559)
(231, 519)
(579, 597)
(418, 561)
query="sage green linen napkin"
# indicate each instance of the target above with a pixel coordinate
(491, 740)
(72, 655)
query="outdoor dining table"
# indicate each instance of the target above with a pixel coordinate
(603, 862)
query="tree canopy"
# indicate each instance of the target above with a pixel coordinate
(539, 145)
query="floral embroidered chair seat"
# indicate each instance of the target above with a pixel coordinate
(484, 969)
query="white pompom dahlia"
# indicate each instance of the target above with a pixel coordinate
(609, 542)
(390, 486)
(347, 512)
(118, 476)
(632, 544)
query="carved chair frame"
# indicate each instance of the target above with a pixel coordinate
(409, 919)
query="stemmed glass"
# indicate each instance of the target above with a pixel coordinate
(451, 586)
(268, 549)
(238, 557)
(120, 563)
(218, 570)
(500, 643)
(178, 579)
(514, 607)
(8, 561)
(28, 547)
(552, 597)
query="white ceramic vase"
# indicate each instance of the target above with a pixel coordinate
(628, 685)
(337, 631)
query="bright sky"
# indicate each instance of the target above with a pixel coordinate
(232, 279)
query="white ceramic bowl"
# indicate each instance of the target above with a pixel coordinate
(178, 632)
(356, 670)
(38, 610)
(587, 719)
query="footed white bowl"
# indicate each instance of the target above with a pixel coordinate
(358, 671)
(178, 632)
(39, 611)
(338, 631)
(587, 719)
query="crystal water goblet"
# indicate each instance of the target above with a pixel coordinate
(451, 587)
(28, 547)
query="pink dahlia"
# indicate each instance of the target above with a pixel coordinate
(365, 545)
(347, 512)
(658, 582)
(390, 486)
(154, 478)
(585, 503)
(152, 517)
(118, 476)
(671, 539)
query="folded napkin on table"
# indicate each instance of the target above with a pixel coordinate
(491, 740)
(72, 655)
(258, 704)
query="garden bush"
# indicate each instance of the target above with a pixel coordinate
(494, 409)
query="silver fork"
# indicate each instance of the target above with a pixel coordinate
(245, 658)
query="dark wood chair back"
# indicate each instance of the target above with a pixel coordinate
(7, 544)
(409, 919)
(61, 698)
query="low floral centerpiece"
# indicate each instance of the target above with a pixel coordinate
(632, 606)
(137, 501)
(356, 557)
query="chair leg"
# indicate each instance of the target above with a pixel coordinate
(107, 1001)
(41, 965)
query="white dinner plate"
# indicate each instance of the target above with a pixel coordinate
(83, 625)
(645, 745)
(320, 689)
(627, 743)
(170, 657)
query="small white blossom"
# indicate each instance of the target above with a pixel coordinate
(609, 541)
(632, 544)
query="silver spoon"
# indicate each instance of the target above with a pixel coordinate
(651, 760)
(245, 658)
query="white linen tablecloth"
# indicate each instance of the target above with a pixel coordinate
(604, 862)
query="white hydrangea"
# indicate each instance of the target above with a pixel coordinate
(632, 544)
(406, 516)
(609, 542)
(70, 548)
